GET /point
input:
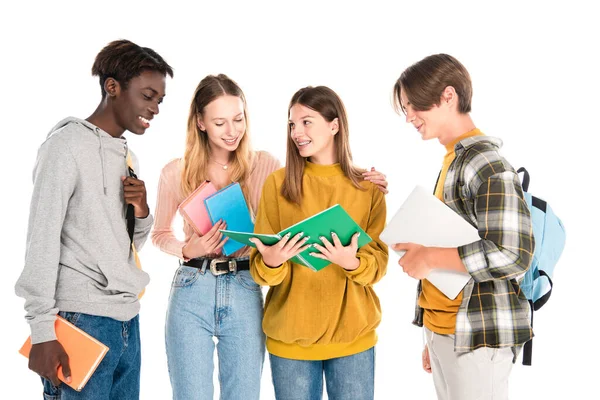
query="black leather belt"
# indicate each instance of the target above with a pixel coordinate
(219, 266)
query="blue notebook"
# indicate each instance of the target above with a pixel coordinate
(229, 205)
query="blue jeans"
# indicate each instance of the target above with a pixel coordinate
(348, 378)
(228, 307)
(118, 374)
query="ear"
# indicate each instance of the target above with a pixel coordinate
(200, 123)
(449, 96)
(335, 126)
(112, 87)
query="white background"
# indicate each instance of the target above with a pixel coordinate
(535, 86)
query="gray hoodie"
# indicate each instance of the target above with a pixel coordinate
(78, 255)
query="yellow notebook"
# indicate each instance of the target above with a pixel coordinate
(84, 351)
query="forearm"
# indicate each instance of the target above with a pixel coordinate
(445, 258)
(504, 221)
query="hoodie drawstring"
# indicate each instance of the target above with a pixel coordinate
(102, 160)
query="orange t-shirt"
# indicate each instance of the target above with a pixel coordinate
(439, 311)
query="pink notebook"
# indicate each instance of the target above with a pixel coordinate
(194, 210)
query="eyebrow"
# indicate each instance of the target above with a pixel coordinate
(149, 88)
(237, 115)
(306, 116)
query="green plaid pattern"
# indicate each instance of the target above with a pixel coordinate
(484, 189)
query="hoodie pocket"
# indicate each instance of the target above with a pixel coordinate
(121, 280)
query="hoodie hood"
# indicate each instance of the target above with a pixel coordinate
(70, 120)
(99, 133)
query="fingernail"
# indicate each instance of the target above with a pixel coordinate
(301, 234)
(322, 237)
(333, 234)
(288, 234)
(358, 234)
(306, 238)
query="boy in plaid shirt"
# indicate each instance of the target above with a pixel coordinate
(473, 340)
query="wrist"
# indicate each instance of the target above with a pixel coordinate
(187, 253)
(271, 264)
(352, 265)
(141, 212)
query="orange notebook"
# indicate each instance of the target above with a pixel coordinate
(194, 210)
(84, 351)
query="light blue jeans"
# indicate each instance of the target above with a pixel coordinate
(118, 374)
(228, 307)
(347, 378)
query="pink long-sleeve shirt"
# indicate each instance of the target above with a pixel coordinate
(170, 197)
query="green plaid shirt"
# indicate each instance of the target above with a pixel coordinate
(484, 189)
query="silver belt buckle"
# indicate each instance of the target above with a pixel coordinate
(215, 261)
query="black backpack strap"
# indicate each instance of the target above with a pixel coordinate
(129, 215)
(528, 346)
(525, 183)
(542, 300)
(437, 181)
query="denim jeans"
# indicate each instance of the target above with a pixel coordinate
(118, 374)
(228, 307)
(347, 378)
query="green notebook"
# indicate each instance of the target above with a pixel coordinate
(334, 219)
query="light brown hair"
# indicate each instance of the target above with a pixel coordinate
(329, 105)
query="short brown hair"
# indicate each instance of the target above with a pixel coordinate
(424, 82)
(123, 60)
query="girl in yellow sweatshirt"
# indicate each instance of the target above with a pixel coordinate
(320, 322)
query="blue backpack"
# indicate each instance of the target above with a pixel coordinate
(549, 235)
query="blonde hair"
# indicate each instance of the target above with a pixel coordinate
(327, 103)
(197, 149)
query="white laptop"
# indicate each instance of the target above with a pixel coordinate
(425, 220)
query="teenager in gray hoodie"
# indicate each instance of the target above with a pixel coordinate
(88, 217)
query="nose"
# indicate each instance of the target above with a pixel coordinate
(229, 128)
(297, 131)
(153, 108)
(410, 116)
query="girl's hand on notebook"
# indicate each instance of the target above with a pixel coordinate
(337, 253)
(426, 360)
(210, 243)
(378, 178)
(280, 252)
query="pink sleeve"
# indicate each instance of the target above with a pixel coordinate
(166, 208)
(266, 165)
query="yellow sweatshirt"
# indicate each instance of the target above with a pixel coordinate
(334, 312)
